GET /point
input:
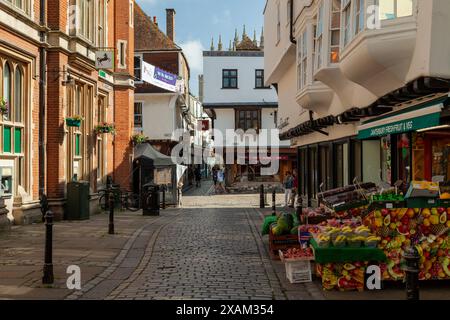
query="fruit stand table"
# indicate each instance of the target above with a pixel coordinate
(344, 268)
(346, 254)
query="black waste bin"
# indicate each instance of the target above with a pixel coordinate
(150, 200)
(77, 207)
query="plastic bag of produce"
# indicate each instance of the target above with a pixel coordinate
(266, 225)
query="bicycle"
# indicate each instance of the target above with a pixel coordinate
(128, 200)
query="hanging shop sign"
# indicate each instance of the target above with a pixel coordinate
(160, 78)
(401, 123)
(104, 59)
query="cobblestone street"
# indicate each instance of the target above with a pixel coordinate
(209, 249)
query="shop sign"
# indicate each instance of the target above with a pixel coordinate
(203, 124)
(402, 126)
(104, 59)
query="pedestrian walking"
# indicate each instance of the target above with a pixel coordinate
(288, 184)
(220, 181)
(214, 174)
(180, 193)
(198, 177)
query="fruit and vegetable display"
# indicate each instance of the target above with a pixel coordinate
(342, 276)
(388, 195)
(298, 253)
(347, 235)
(349, 197)
(286, 224)
(425, 228)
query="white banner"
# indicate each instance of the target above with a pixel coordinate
(159, 77)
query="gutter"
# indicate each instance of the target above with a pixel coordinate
(42, 102)
(291, 24)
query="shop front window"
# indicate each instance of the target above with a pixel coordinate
(386, 160)
(325, 168)
(342, 166)
(404, 157)
(313, 181)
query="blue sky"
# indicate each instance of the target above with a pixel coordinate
(199, 20)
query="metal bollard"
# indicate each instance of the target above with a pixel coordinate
(48, 277)
(274, 209)
(111, 213)
(412, 270)
(262, 203)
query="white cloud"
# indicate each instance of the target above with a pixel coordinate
(224, 19)
(194, 53)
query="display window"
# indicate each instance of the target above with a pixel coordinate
(404, 157)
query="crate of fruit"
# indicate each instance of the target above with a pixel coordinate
(277, 243)
(298, 264)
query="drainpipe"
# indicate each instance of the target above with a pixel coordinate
(42, 104)
(291, 26)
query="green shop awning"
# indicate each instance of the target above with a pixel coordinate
(406, 120)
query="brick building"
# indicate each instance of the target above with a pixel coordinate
(48, 74)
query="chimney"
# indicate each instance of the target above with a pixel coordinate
(154, 20)
(170, 24)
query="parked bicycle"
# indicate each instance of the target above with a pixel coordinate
(127, 200)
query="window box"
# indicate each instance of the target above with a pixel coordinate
(105, 128)
(4, 109)
(74, 121)
(139, 139)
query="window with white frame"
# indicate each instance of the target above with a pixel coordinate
(22, 5)
(302, 59)
(86, 9)
(278, 23)
(392, 9)
(131, 13)
(335, 31)
(102, 20)
(138, 115)
(12, 122)
(318, 41)
(346, 21)
(121, 54)
(137, 67)
(358, 16)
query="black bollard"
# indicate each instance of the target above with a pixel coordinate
(262, 203)
(164, 197)
(111, 213)
(274, 209)
(48, 277)
(412, 270)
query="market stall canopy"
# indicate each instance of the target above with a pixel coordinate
(146, 151)
(406, 120)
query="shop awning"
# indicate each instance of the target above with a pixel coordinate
(406, 120)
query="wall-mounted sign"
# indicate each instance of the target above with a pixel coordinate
(159, 77)
(104, 59)
(203, 125)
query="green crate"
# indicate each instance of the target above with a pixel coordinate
(422, 203)
(444, 203)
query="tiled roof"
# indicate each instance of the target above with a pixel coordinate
(247, 45)
(147, 36)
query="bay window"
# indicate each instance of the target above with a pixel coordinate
(346, 21)
(335, 31)
(392, 9)
(102, 35)
(358, 16)
(318, 45)
(302, 60)
(86, 19)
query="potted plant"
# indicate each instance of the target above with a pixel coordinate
(139, 138)
(4, 108)
(74, 121)
(105, 128)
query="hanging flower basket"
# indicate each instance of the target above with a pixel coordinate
(105, 128)
(139, 138)
(74, 121)
(4, 108)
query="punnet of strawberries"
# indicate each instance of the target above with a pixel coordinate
(294, 253)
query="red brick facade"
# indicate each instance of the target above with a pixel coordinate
(73, 86)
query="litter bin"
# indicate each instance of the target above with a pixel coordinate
(77, 207)
(150, 201)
